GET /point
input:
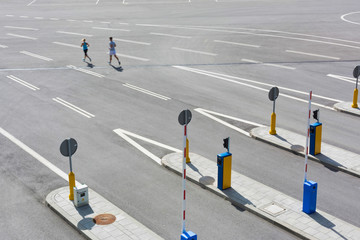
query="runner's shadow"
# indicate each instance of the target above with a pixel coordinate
(119, 69)
(90, 65)
(325, 222)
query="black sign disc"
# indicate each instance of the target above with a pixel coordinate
(64, 147)
(185, 117)
(273, 93)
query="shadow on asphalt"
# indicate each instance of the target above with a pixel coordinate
(325, 222)
(236, 198)
(119, 69)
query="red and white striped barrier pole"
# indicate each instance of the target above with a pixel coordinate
(307, 138)
(184, 178)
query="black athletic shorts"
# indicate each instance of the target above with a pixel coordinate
(85, 51)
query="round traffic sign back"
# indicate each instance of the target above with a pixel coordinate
(64, 147)
(356, 72)
(273, 93)
(184, 117)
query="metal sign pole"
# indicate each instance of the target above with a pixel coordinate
(184, 174)
(307, 138)
(69, 147)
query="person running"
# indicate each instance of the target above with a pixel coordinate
(85, 46)
(112, 51)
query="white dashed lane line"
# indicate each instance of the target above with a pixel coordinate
(131, 41)
(312, 54)
(268, 64)
(21, 36)
(73, 33)
(22, 82)
(22, 28)
(236, 43)
(169, 35)
(3, 46)
(67, 44)
(133, 57)
(194, 51)
(73, 107)
(111, 29)
(86, 71)
(146, 91)
(36, 56)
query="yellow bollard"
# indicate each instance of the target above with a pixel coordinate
(71, 185)
(355, 98)
(272, 125)
(187, 151)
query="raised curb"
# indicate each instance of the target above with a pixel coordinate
(345, 107)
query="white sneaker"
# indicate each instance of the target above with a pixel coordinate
(83, 59)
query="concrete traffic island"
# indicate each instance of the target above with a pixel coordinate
(346, 108)
(270, 204)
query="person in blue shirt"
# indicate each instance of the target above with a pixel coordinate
(85, 46)
(112, 51)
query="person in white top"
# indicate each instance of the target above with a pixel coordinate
(112, 51)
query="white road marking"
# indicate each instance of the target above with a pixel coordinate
(78, 34)
(39, 18)
(67, 44)
(37, 156)
(21, 36)
(312, 54)
(124, 134)
(231, 79)
(23, 28)
(31, 3)
(345, 79)
(22, 82)
(210, 114)
(123, 23)
(73, 107)
(194, 51)
(268, 64)
(132, 57)
(146, 91)
(105, 22)
(169, 35)
(345, 15)
(86, 71)
(3, 46)
(36, 56)
(111, 29)
(88, 21)
(97, 2)
(236, 43)
(131, 41)
(54, 19)
(24, 17)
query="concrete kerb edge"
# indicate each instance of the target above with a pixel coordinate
(257, 212)
(342, 169)
(345, 111)
(49, 200)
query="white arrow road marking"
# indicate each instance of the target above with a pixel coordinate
(210, 114)
(232, 80)
(37, 156)
(125, 135)
(343, 78)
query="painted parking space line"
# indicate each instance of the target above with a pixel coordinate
(133, 57)
(242, 81)
(210, 114)
(3, 46)
(21, 36)
(268, 64)
(36, 56)
(312, 54)
(194, 51)
(73, 107)
(111, 29)
(342, 78)
(35, 155)
(125, 135)
(22, 82)
(237, 43)
(86, 71)
(67, 44)
(22, 28)
(131, 41)
(74, 33)
(169, 35)
(146, 92)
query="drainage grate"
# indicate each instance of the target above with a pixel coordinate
(104, 219)
(274, 209)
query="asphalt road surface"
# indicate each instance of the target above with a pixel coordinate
(222, 56)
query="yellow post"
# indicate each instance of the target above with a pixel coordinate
(272, 125)
(71, 185)
(355, 98)
(187, 151)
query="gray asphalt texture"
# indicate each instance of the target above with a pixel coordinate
(124, 175)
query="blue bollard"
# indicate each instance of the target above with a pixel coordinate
(189, 235)
(309, 197)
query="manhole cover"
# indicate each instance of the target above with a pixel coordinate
(207, 180)
(273, 209)
(104, 219)
(297, 148)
